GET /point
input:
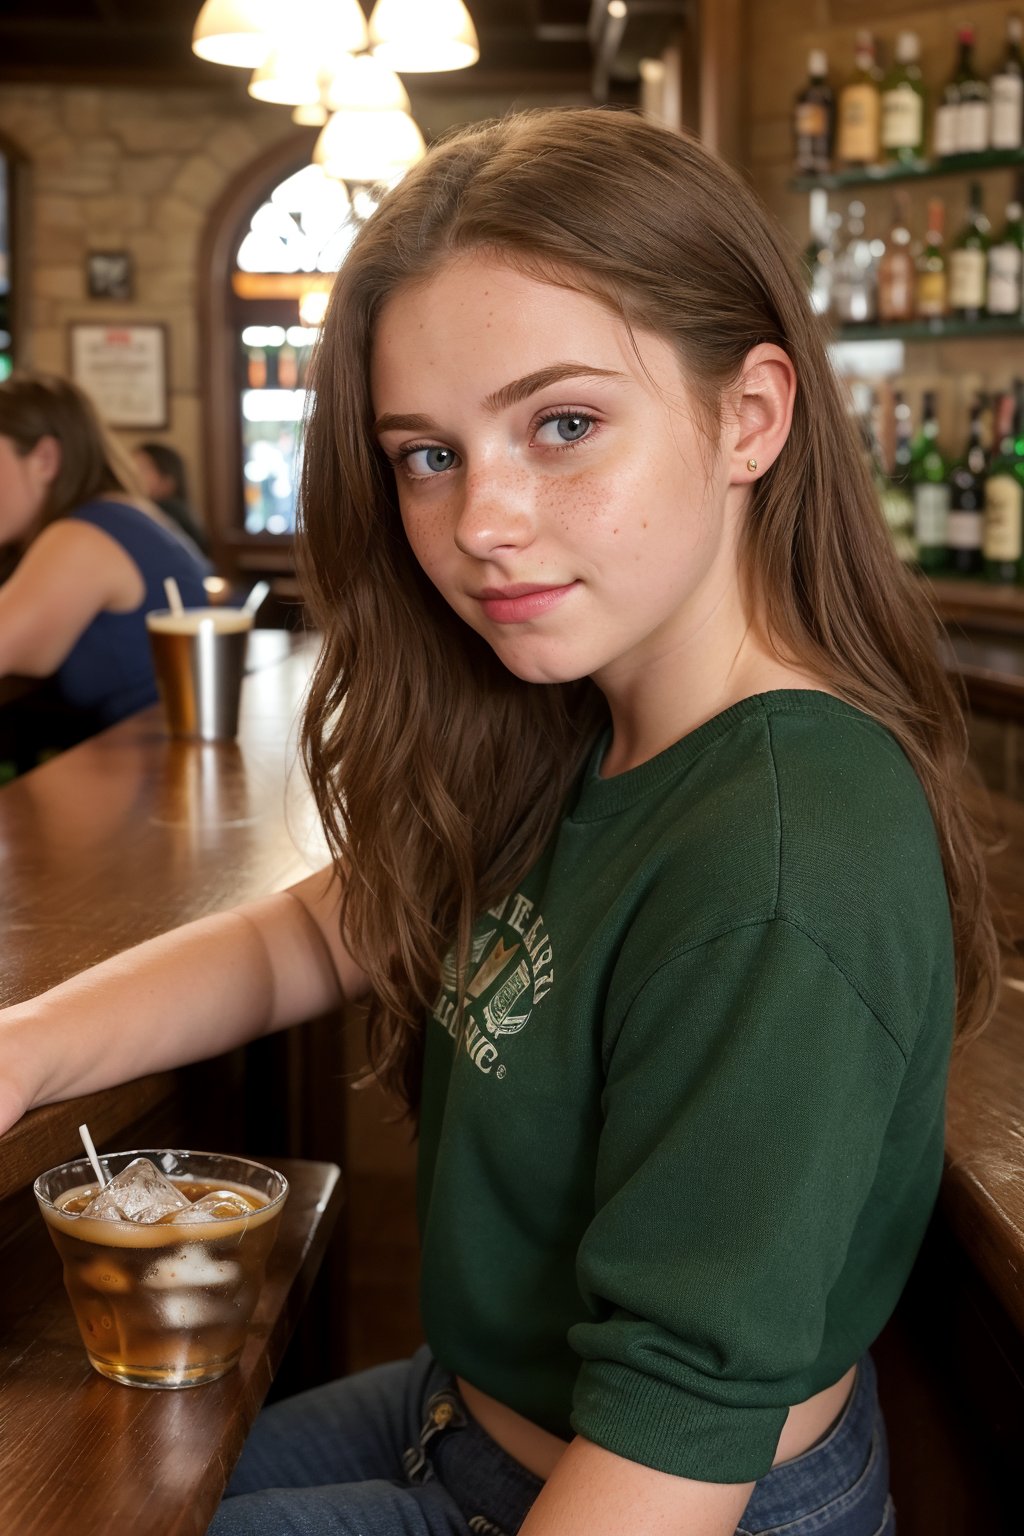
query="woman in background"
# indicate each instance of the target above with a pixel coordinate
(93, 554)
(164, 478)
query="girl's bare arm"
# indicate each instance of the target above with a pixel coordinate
(188, 994)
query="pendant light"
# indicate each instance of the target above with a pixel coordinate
(245, 32)
(368, 146)
(417, 36)
(364, 83)
(235, 32)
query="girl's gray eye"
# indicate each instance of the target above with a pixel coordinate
(572, 427)
(438, 458)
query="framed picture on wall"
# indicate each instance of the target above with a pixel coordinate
(109, 274)
(123, 368)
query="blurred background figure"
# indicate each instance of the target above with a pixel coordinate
(90, 554)
(164, 478)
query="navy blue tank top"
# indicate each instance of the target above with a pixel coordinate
(108, 672)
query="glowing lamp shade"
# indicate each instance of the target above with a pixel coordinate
(310, 116)
(417, 36)
(366, 84)
(370, 146)
(236, 32)
(289, 77)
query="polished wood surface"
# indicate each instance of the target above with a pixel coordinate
(85, 1455)
(122, 837)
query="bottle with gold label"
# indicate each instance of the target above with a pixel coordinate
(858, 137)
(814, 120)
(903, 104)
(1003, 540)
(931, 266)
(968, 262)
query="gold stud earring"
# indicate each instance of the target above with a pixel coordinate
(751, 465)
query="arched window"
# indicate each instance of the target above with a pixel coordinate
(12, 169)
(295, 241)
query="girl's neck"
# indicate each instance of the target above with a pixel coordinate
(726, 657)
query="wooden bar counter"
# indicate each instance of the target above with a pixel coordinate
(118, 839)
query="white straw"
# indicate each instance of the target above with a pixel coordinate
(174, 601)
(87, 1143)
(256, 596)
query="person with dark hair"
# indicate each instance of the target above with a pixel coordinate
(642, 781)
(164, 479)
(92, 554)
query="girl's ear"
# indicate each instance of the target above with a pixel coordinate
(763, 405)
(46, 459)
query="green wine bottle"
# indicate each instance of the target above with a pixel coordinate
(931, 491)
(1004, 493)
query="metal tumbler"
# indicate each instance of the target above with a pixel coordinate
(199, 660)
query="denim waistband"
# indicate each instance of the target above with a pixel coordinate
(493, 1490)
(853, 1447)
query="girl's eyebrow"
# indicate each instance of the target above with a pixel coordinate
(508, 394)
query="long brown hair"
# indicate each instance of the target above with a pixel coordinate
(92, 462)
(438, 775)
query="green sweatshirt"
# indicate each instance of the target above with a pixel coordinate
(679, 1153)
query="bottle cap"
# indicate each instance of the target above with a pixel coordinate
(965, 34)
(908, 49)
(817, 62)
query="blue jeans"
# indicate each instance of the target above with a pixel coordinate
(394, 1452)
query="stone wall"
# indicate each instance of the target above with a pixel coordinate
(780, 34)
(120, 169)
(136, 171)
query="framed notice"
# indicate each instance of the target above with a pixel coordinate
(123, 369)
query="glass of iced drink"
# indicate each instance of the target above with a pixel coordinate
(164, 1264)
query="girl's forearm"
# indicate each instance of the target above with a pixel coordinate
(188, 994)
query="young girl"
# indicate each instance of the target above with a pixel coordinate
(93, 554)
(640, 774)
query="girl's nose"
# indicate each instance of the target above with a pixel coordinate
(496, 514)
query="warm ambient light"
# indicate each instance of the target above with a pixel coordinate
(365, 84)
(289, 77)
(310, 116)
(617, 9)
(417, 36)
(234, 32)
(244, 32)
(368, 146)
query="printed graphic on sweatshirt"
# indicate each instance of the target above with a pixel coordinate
(511, 969)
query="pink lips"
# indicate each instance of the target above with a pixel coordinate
(518, 603)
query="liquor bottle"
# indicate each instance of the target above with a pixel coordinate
(1005, 295)
(896, 275)
(859, 116)
(967, 500)
(820, 252)
(814, 120)
(854, 276)
(932, 292)
(968, 262)
(1007, 92)
(973, 107)
(1003, 537)
(903, 103)
(897, 500)
(930, 490)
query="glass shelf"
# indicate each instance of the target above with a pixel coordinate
(923, 170)
(932, 330)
